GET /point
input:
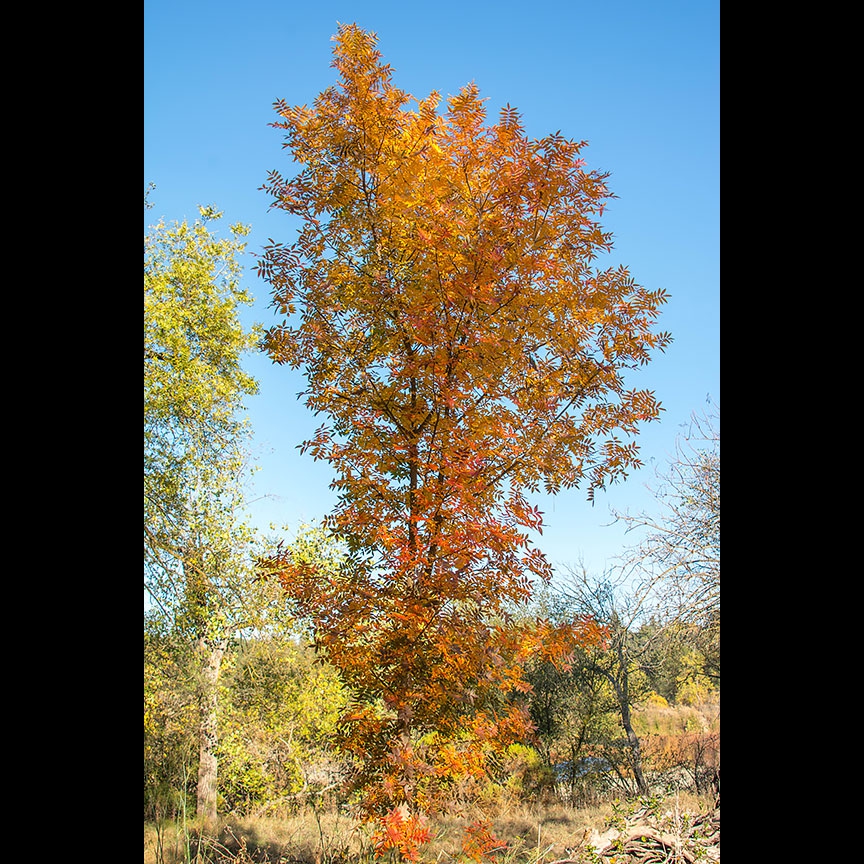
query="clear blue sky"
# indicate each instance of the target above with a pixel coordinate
(637, 79)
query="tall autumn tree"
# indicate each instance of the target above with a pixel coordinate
(197, 561)
(441, 300)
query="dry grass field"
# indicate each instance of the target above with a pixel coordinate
(533, 835)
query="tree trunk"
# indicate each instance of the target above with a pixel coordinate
(621, 684)
(211, 653)
(622, 689)
(635, 749)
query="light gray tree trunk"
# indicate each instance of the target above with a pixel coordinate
(621, 683)
(635, 748)
(211, 653)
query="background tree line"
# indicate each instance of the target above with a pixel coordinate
(639, 715)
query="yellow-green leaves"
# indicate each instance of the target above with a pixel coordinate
(194, 431)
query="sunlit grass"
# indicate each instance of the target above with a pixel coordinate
(534, 834)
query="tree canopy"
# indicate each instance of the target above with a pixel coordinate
(195, 435)
(442, 301)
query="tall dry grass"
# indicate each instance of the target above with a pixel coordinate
(534, 834)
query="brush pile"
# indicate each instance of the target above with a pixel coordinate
(647, 838)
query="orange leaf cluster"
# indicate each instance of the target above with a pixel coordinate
(480, 844)
(402, 831)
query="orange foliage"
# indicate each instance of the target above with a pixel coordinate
(402, 831)
(480, 844)
(441, 302)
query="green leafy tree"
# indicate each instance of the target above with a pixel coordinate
(676, 664)
(198, 570)
(194, 386)
(170, 720)
(280, 713)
